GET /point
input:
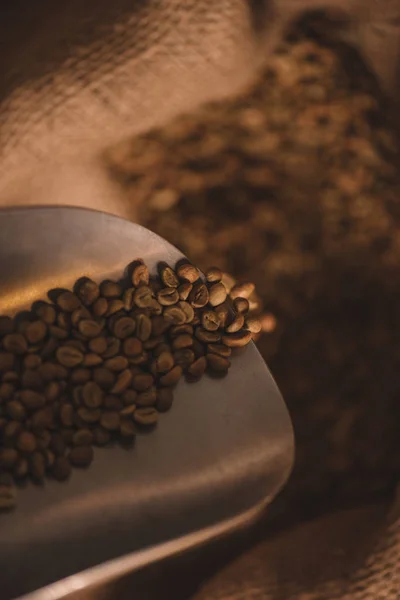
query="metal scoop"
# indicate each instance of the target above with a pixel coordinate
(216, 459)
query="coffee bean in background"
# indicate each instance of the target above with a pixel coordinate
(99, 363)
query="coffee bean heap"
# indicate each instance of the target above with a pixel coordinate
(100, 363)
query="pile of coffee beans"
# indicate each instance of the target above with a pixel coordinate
(100, 363)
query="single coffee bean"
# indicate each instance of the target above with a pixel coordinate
(146, 416)
(164, 362)
(100, 307)
(199, 296)
(169, 277)
(36, 332)
(114, 306)
(81, 456)
(142, 382)
(177, 330)
(104, 377)
(188, 272)
(61, 468)
(241, 305)
(32, 361)
(127, 298)
(92, 395)
(187, 309)
(129, 397)
(8, 458)
(207, 337)
(214, 275)
(154, 308)
(110, 420)
(184, 290)
(87, 291)
(127, 412)
(47, 313)
(127, 430)
(242, 290)
(32, 400)
(143, 296)
(89, 415)
(184, 357)
(236, 324)
(7, 391)
(253, 325)
(83, 437)
(101, 436)
(237, 340)
(80, 376)
(143, 326)
(168, 296)
(218, 363)
(7, 360)
(210, 320)
(116, 364)
(165, 398)
(15, 343)
(147, 398)
(42, 419)
(21, 469)
(112, 402)
(48, 348)
(198, 367)
(68, 356)
(220, 349)
(11, 430)
(124, 380)
(31, 379)
(50, 371)
(182, 341)
(6, 325)
(10, 377)
(16, 410)
(92, 360)
(132, 346)
(174, 315)
(67, 414)
(113, 347)
(89, 328)
(110, 289)
(217, 293)
(124, 327)
(58, 332)
(152, 343)
(68, 301)
(140, 275)
(37, 467)
(172, 377)
(26, 442)
(140, 359)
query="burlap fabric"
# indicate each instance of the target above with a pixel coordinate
(79, 76)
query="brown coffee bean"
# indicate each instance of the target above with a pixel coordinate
(68, 301)
(124, 327)
(198, 367)
(79, 314)
(169, 277)
(67, 414)
(147, 398)
(101, 436)
(140, 359)
(143, 327)
(207, 337)
(129, 397)
(48, 348)
(184, 357)
(6, 325)
(36, 332)
(187, 309)
(188, 272)
(172, 377)
(8, 497)
(127, 412)
(152, 343)
(174, 315)
(127, 430)
(32, 400)
(237, 340)
(127, 298)
(140, 275)
(214, 275)
(104, 378)
(42, 419)
(220, 349)
(8, 458)
(12, 430)
(154, 308)
(158, 326)
(15, 343)
(7, 391)
(112, 402)
(217, 293)
(16, 410)
(241, 305)
(7, 360)
(199, 296)
(89, 415)
(89, 328)
(21, 469)
(168, 296)
(110, 420)
(92, 395)
(81, 456)
(184, 290)
(164, 362)
(198, 348)
(50, 371)
(63, 321)
(177, 330)
(80, 376)
(142, 382)
(57, 444)
(31, 379)
(92, 360)
(242, 290)
(110, 289)
(253, 325)
(114, 306)
(88, 291)
(46, 313)
(132, 346)
(182, 341)
(69, 357)
(218, 363)
(116, 364)
(143, 296)
(32, 361)
(61, 468)
(210, 320)
(67, 435)
(83, 437)
(37, 467)
(10, 377)
(100, 307)
(146, 416)
(236, 324)
(114, 345)
(124, 380)
(165, 398)
(26, 442)
(58, 332)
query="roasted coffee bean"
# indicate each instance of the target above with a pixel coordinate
(16, 410)
(242, 290)
(132, 346)
(58, 332)
(169, 278)
(69, 356)
(113, 347)
(198, 367)
(143, 296)
(127, 430)
(165, 398)
(68, 301)
(163, 347)
(110, 289)
(48, 348)
(101, 436)
(12, 430)
(104, 377)
(98, 345)
(198, 348)
(36, 332)
(61, 468)
(236, 324)
(100, 307)
(184, 290)
(184, 357)
(217, 293)
(8, 499)
(142, 382)
(79, 314)
(237, 340)
(80, 376)
(8, 458)
(7, 391)
(199, 296)
(182, 341)
(50, 371)
(10, 377)
(46, 313)
(124, 380)
(66, 435)
(21, 469)
(15, 343)
(220, 349)
(92, 360)
(116, 364)
(213, 275)
(32, 361)
(127, 298)
(207, 337)
(172, 377)
(31, 400)
(83, 437)
(127, 412)
(92, 395)
(26, 442)
(159, 325)
(7, 360)
(146, 416)
(89, 328)
(187, 309)
(218, 363)
(143, 327)
(140, 359)
(164, 362)
(110, 420)
(37, 467)
(87, 291)
(140, 275)
(147, 398)
(154, 308)
(89, 415)
(253, 325)
(177, 330)
(31, 379)
(63, 321)
(241, 305)
(152, 343)
(188, 272)
(112, 402)
(67, 414)
(129, 397)
(210, 320)
(124, 327)
(168, 296)
(174, 315)
(114, 306)
(81, 456)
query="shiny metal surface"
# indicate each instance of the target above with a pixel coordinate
(222, 452)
